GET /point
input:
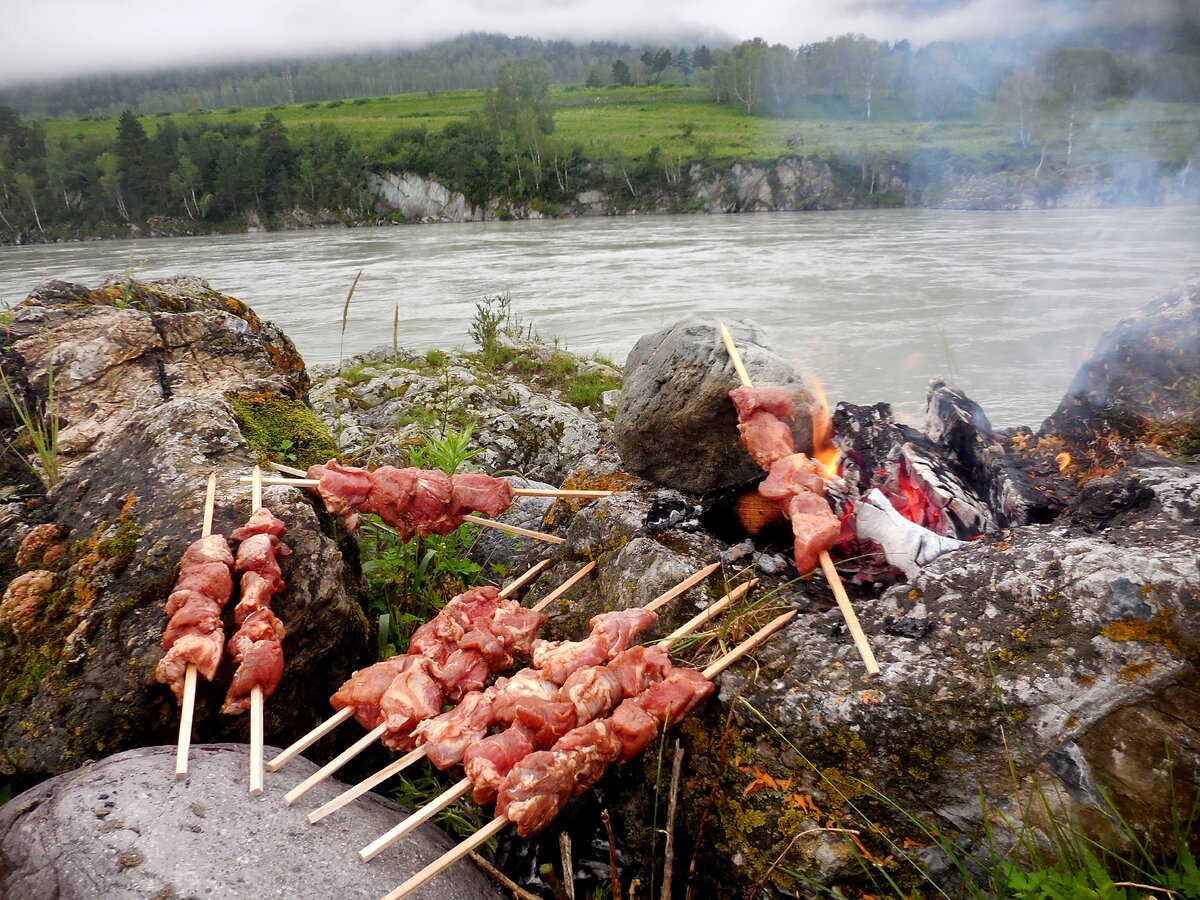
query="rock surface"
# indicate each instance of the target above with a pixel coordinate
(154, 385)
(126, 829)
(676, 424)
(379, 403)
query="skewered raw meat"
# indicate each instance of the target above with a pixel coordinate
(525, 684)
(488, 761)
(447, 736)
(363, 690)
(611, 633)
(464, 672)
(194, 635)
(795, 485)
(547, 720)
(762, 412)
(413, 695)
(537, 788)
(413, 501)
(593, 692)
(256, 646)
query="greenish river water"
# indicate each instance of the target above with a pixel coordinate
(874, 303)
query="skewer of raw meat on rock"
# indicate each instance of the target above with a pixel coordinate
(256, 646)
(419, 501)
(480, 619)
(194, 636)
(446, 738)
(366, 682)
(540, 718)
(536, 788)
(794, 482)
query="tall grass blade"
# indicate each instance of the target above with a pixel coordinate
(346, 313)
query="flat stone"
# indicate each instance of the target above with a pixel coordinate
(126, 829)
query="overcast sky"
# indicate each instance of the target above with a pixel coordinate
(49, 39)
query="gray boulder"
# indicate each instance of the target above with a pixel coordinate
(126, 829)
(676, 424)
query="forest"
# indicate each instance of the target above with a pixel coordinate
(524, 123)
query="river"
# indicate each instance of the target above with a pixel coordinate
(873, 303)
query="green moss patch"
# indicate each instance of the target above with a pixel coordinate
(282, 430)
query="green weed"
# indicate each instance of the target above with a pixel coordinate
(40, 427)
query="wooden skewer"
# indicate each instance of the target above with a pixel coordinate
(256, 692)
(497, 825)
(519, 492)
(431, 871)
(689, 582)
(414, 756)
(188, 706)
(380, 730)
(460, 789)
(347, 712)
(831, 574)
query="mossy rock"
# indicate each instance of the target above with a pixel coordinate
(282, 430)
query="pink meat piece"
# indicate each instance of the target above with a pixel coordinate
(594, 692)
(591, 749)
(201, 650)
(516, 628)
(770, 398)
(212, 548)
(343, 489)
(792, 474)
(639, 667)
(178, 599)
(463, 672)
(487, 645)
(766, 438)
(363, 691)
(256, 594)
(200, 615)
(263, 521)
(436, 639)
(635, 728)
(447, 736)
(548, 720)
(475, 492)
(260, 625)
(488, 761)
(535, 791)
(430, 506)
(558, 659)
(413, 695)
(814, 527)
(675, 696)
(391, 495)
(474, 606)
(527, 683)
(261, 553)
(261, 666)
(213, 579)
(614, 631)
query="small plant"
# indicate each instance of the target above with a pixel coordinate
(409, 581)
(346, 314)
(41, 428)
(489, 322)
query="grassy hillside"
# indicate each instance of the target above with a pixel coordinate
(686, 125)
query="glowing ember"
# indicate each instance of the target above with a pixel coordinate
(1063, 460)
(822, 429)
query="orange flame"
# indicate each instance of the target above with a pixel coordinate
(822, 428)
(1063, 460)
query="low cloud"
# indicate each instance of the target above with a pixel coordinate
(60, 38)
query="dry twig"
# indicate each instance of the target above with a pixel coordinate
(672, 804)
